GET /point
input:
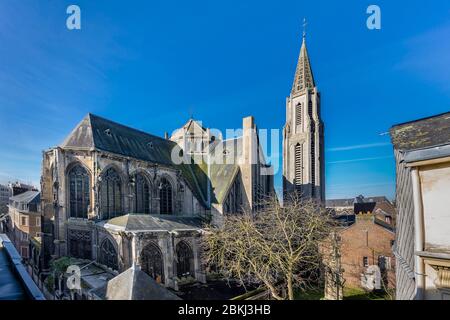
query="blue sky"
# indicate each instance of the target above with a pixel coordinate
(151, 64)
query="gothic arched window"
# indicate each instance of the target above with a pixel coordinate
(185, 260)
(108, 254)
(165, 196)
(80, 244)
(298, 114)
(141, 194)
(298, 166)
(78, 192)
(152, 262)
(111, 194)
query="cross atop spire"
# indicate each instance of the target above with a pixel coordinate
(304, 28)
(304, 78)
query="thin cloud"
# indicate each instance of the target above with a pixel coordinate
(364, 185)
(360, 146)
(428, 56)
(359, 160)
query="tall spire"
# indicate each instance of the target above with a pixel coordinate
(303, 74)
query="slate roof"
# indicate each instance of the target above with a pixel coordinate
(153, 222)
(98, 133)
(422, 133)
(303, 74)
(27, 197)
(376, 199)
(350, 202)
(106, 135)
(95, 132)
(134, 284)
(339, 202)
(222, 175)
(385, 207)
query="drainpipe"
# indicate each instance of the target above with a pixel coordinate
(418, 234)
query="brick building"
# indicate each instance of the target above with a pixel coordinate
(365, 243)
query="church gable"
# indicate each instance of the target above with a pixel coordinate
(80, 137)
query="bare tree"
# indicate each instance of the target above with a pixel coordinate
(278, 246)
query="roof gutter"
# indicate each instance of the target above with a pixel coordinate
(431, 155)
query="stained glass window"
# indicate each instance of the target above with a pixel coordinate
(78, 192)
(141, 194)
(111, 194)
(165, 196)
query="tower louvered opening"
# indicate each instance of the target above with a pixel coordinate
(298, 114)
(298, 166)
(313, 148)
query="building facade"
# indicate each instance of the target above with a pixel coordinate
(364, 244)
(25, 217)
(121, 197)
(422, 153)
(5, 193)
(303, 135)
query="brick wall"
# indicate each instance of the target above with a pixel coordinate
(366, 239)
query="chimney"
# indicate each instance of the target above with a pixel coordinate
(166, 135)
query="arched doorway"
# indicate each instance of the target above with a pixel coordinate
(185, 260)
(152, 262)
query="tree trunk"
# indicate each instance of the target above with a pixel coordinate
(290, 288)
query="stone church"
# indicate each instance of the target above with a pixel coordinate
(303, 139)
(120, 197)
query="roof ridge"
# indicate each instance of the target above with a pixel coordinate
(91, 115)
(421, 119)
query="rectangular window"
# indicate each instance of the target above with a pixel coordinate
(388, 263)
(24, 236)
(23, 221)
(365, 261)
(24, 252)
(38, 221)
(384, 263)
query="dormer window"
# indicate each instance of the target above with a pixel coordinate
(108, 132)
(150, 144)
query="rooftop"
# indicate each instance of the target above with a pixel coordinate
(15, 282)
(134, 284)
(422, 133)
(27, 197)
(358, 199)
(153, 222)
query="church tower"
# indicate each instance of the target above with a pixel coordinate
(303, 142)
